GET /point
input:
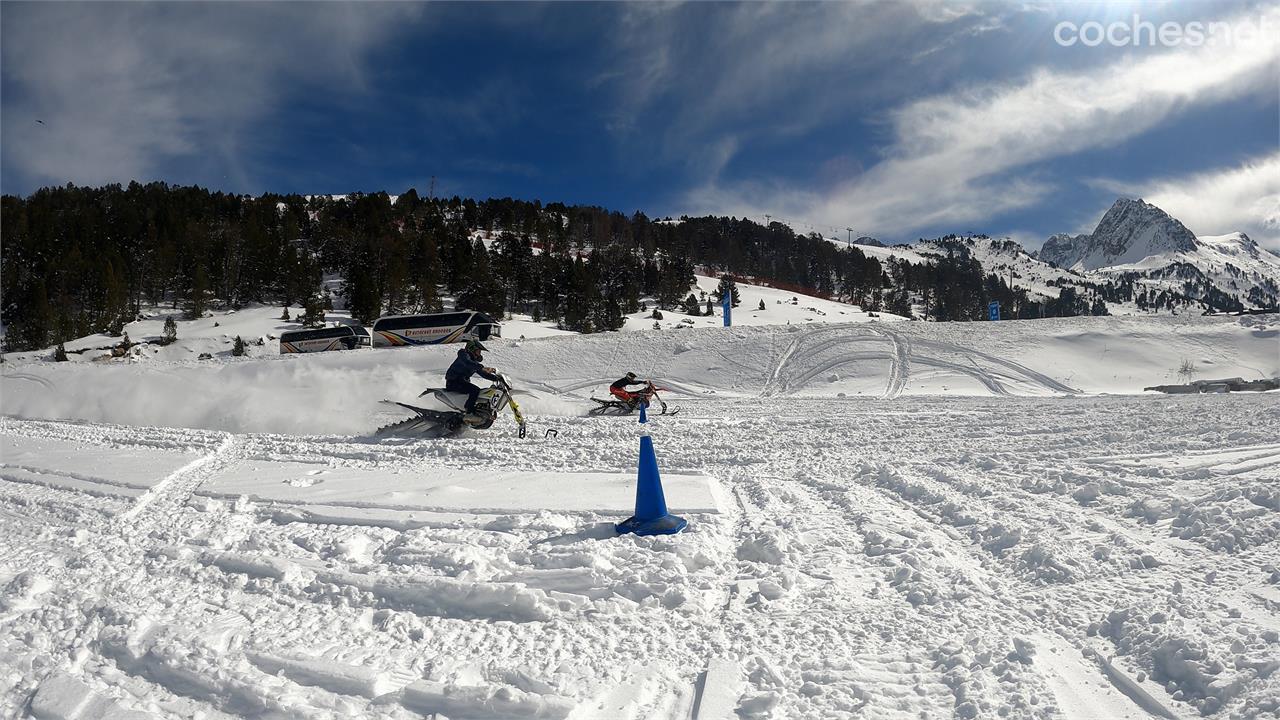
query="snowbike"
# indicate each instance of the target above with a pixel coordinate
(618, 406)
(443, 423)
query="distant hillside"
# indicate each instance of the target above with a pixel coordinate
(79, 261)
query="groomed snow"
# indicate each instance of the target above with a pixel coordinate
(887, 520)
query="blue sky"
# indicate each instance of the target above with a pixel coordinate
(898, 119)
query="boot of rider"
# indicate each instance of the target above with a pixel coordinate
(471, 417)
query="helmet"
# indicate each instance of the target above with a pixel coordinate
(474, 346)
(631, 376)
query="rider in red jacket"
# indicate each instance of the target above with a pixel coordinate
(643, 389)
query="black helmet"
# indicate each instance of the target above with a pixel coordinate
(631, 376)
(474, 345)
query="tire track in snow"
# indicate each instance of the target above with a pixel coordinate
(43, 382)
(771, 382)
(166, 496)
(812, 343)
(1000, 597)
(1029, 374)
(900, 370)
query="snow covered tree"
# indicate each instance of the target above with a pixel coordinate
(285, 315)
(761, 304)
(60, 353)
(727, 285)
(313, 312)
(691, 306)
(170, 330)
(238, 348)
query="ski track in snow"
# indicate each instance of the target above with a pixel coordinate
(951, 557)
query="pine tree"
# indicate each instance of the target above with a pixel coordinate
(691, 305)
(727, 285)
(608, 315)
(483, 290)
(674, 282)
(170, 330)
(116, 300)
(312, 312)
(762, 304)
(580, 299)
(37, 326)
(199, 294)
(60, 353)
(285, 315)
(363, 297)
(710, 311)
(899, 303)
(237, 350)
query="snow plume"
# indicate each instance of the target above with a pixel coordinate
(306, 397)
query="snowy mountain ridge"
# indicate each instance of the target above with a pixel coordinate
(1129, 232)
(1135, 243)
(1137, 237)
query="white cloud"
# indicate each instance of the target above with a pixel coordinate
(1245, 197)
(967, 155)
(769, 70)
(120, 89)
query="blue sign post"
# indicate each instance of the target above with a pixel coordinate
(726, 302)
(993, 310)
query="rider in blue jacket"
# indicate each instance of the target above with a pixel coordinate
(458, 377)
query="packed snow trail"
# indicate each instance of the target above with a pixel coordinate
(942, 557)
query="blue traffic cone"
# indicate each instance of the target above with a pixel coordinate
(651, 516)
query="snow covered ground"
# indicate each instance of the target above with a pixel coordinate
(886, 520)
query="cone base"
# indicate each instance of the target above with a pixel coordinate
(665, 525)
